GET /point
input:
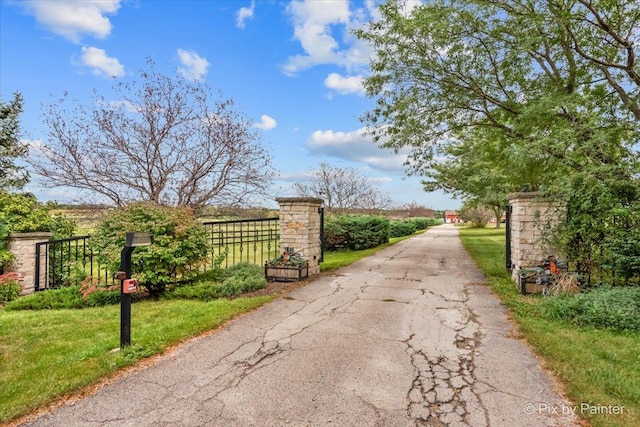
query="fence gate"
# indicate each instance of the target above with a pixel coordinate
(321, 212)
(507, 224)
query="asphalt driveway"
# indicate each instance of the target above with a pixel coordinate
(409, 336)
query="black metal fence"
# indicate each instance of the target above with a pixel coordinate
(69, 261)
(246, 240)
(66, 262)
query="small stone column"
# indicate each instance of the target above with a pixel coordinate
(529, 217)
(23, 248)
(300, 228)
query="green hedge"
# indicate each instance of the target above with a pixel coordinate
(424, 223)
(405, 227)
(355, 232)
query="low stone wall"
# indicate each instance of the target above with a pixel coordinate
(300, 228)
(23, 248)
(529, 217)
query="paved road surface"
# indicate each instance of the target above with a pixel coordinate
(406, 337)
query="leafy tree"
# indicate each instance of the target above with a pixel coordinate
(342, 189)
(510, 67)
(11, 175)
(475, 214)
(474, 172)
(538, 92)
(161, 139)
(179, 246)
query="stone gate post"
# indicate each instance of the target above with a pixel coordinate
(23, 248)
(300, 228)
(529, 216)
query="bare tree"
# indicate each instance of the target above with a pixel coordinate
(342, 189)
(161, 139)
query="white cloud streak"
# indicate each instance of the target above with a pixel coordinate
(266, 122)
(194, 67)
(245, 13)
(345, 85)
(100, 63)
(72, 19)
(356, 146)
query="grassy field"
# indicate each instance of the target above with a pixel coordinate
(598, 367)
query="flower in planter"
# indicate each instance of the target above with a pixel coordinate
(289, 258)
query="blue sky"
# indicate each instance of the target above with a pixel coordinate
(292, 67)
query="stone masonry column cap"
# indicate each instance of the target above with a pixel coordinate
(299, 200)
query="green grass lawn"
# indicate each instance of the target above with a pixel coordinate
(598, 367)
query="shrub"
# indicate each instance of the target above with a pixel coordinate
(402, 228)
(604, 307)
(235, 280)
(242, 278)
(358, 232)
(10, 287)
(335, 236)
(22, 213)
(179, 246)
(67, 297)
(203, 291)
(424, 223)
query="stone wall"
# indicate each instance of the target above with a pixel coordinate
(529, 217)
(300, 228)
(23, 248)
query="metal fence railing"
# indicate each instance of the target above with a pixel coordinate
(66, 262)
(69, 261)
(247, 240)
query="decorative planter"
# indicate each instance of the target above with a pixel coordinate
(285, 273)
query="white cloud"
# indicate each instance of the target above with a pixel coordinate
(356, 146)
(100, 63)
(314, 25)
(245, 13)
(345, 85)
(194, 66)
(266, 122)
(72, 18)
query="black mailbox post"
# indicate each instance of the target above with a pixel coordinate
(133, 240)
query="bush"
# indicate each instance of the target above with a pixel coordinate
(235, 280)
(357, 232)
(242, 278)
(335, 235)
(202, 291)
(180, 243)
(424, 223)
(10, 287)
(402, 228)
(67, 297)
(22, 213)
(604, 307)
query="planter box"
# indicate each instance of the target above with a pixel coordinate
(286, 273)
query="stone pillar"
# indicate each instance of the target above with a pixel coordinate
(530, 216)
(300, 228)
(23, 248)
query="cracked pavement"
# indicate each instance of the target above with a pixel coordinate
(406, 337)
